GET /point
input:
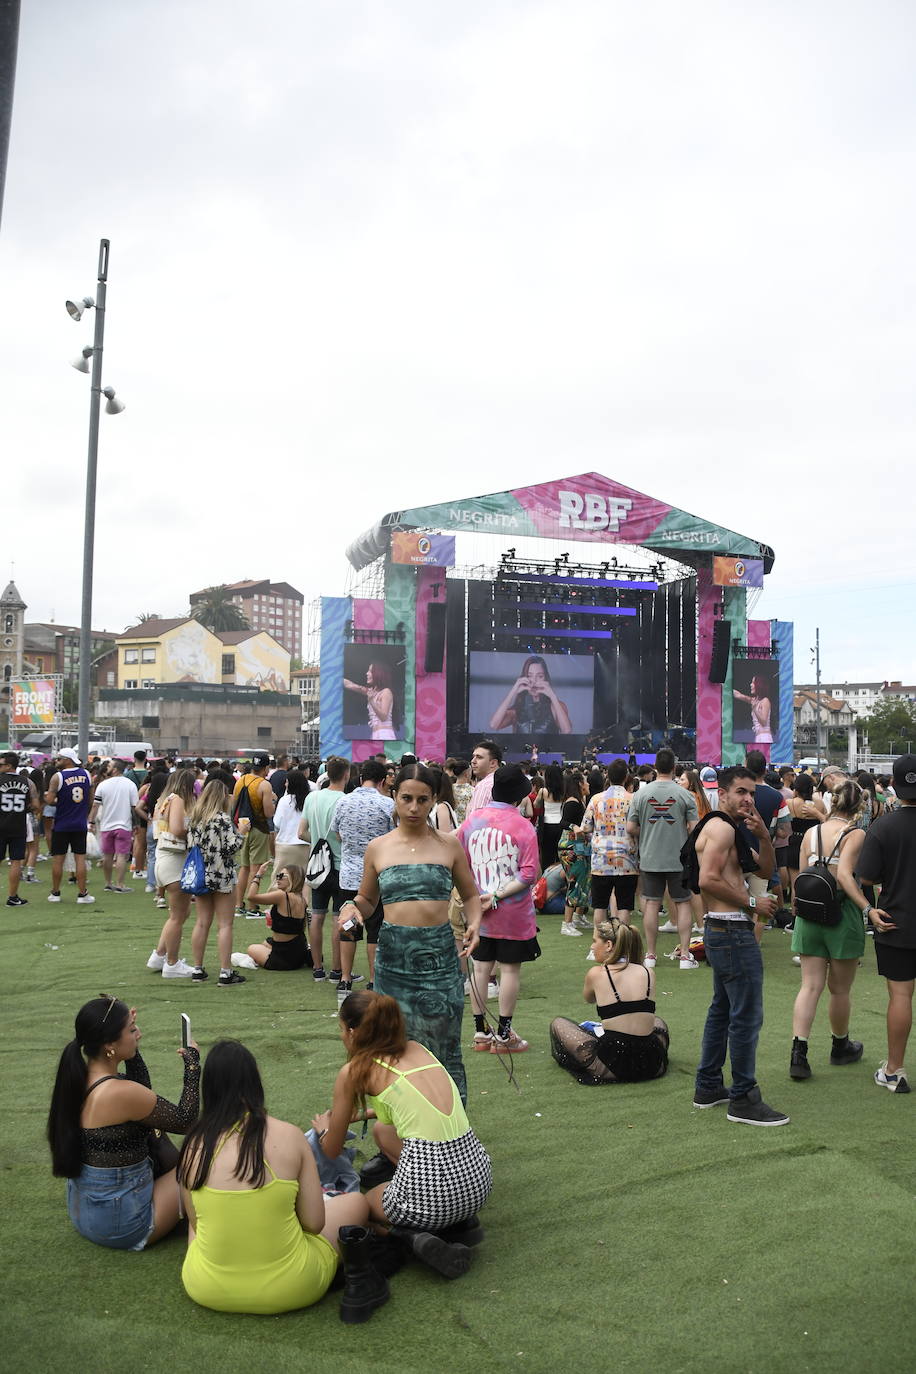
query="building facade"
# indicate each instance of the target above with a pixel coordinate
(182, 650)
(275, 607)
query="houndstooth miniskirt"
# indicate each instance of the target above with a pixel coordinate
(438, 1183)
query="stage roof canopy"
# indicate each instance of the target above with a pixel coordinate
(587, 508)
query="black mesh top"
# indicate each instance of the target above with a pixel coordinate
(115, 1147)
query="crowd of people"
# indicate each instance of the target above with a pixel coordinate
(443, 871)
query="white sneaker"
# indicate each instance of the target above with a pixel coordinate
(649, 961)
(148, 888)
(161, 903)
(697, 930)
(141, 873)
(582, 923)
(177, 970)
(156, 962)
(796, 959)
(243, 961)
(85, 899)
(667, 929)
(896, 1082)
(53, 896)
(689, 962)
(567, 928)
(42, 858)
(492, 988)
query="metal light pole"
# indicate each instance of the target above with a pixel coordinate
(817, 692)
(95, 404)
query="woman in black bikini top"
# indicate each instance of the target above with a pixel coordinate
(631, 1044)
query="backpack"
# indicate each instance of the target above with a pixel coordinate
(243, 809)
(818, 896)
(690, 861)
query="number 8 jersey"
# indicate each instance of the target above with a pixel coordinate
(73, 799)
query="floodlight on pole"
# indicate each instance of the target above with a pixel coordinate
(113, 407)
(82, 362)
(75, 308)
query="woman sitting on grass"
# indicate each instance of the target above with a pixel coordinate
(287, 948)
(634, 1046)
(263, 1238)
(441, 1172)
(101, 1130)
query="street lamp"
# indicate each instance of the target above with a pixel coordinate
(75, 310)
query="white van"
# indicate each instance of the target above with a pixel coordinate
(120, 748)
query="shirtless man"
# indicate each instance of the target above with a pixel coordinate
(736, 1013)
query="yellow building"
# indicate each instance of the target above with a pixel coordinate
(183, 650)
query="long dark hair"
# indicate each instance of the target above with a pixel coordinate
(98, 1023)
(233, 1095)
(553, 781)
(297, 787)
(379, 1032)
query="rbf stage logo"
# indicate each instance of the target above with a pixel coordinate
(589, 511)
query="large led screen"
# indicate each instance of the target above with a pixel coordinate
(755, 700)
(373, 691)
(530, 694)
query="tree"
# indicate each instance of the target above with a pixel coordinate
(218, 611)
(891, 727)
(142, 618)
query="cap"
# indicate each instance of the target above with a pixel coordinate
(70, 754)
(261, 761)
(905, 777)
(709, 775)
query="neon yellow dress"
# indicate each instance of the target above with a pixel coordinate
(250, 1253)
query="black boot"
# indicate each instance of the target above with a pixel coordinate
(379, 1169)
(798, 1064)
(364, 1288)
(449, 1260)
(468, 1232)
(846, 1051)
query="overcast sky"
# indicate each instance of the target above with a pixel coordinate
(366, 256)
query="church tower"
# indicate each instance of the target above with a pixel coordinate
(12, 633)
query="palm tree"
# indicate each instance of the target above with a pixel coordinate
(218, 611)
(143, 617)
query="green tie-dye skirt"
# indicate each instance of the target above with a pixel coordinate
(418, 966)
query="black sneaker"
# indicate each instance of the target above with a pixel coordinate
(850, 1053)
(319, 975)
(798, 1064)
(200, 975)
(751, 1110)
(233, 976)
(710, 1097)
(334, 975)
(16, 901)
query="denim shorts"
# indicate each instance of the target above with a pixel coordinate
(113, 1207)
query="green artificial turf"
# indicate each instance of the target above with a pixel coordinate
(625, 1228)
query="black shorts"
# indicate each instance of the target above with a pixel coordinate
(15, 844)
(896, 963)
(62, 840)
(286, 955)
(492, 950)
(327, 895)
(372, 925)
(623, 885)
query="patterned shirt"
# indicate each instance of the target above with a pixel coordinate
(362, 816)
(613, 850)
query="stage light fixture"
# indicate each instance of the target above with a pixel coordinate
(510, 553)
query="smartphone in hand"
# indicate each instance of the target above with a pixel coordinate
(185, 1030)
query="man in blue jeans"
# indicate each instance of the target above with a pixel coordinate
(736, 1014)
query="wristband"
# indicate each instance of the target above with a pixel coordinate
(867, 911)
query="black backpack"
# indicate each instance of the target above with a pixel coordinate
(818, 895)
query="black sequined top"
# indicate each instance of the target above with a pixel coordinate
(115, 1147)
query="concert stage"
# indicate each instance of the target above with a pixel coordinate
(644, 641)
